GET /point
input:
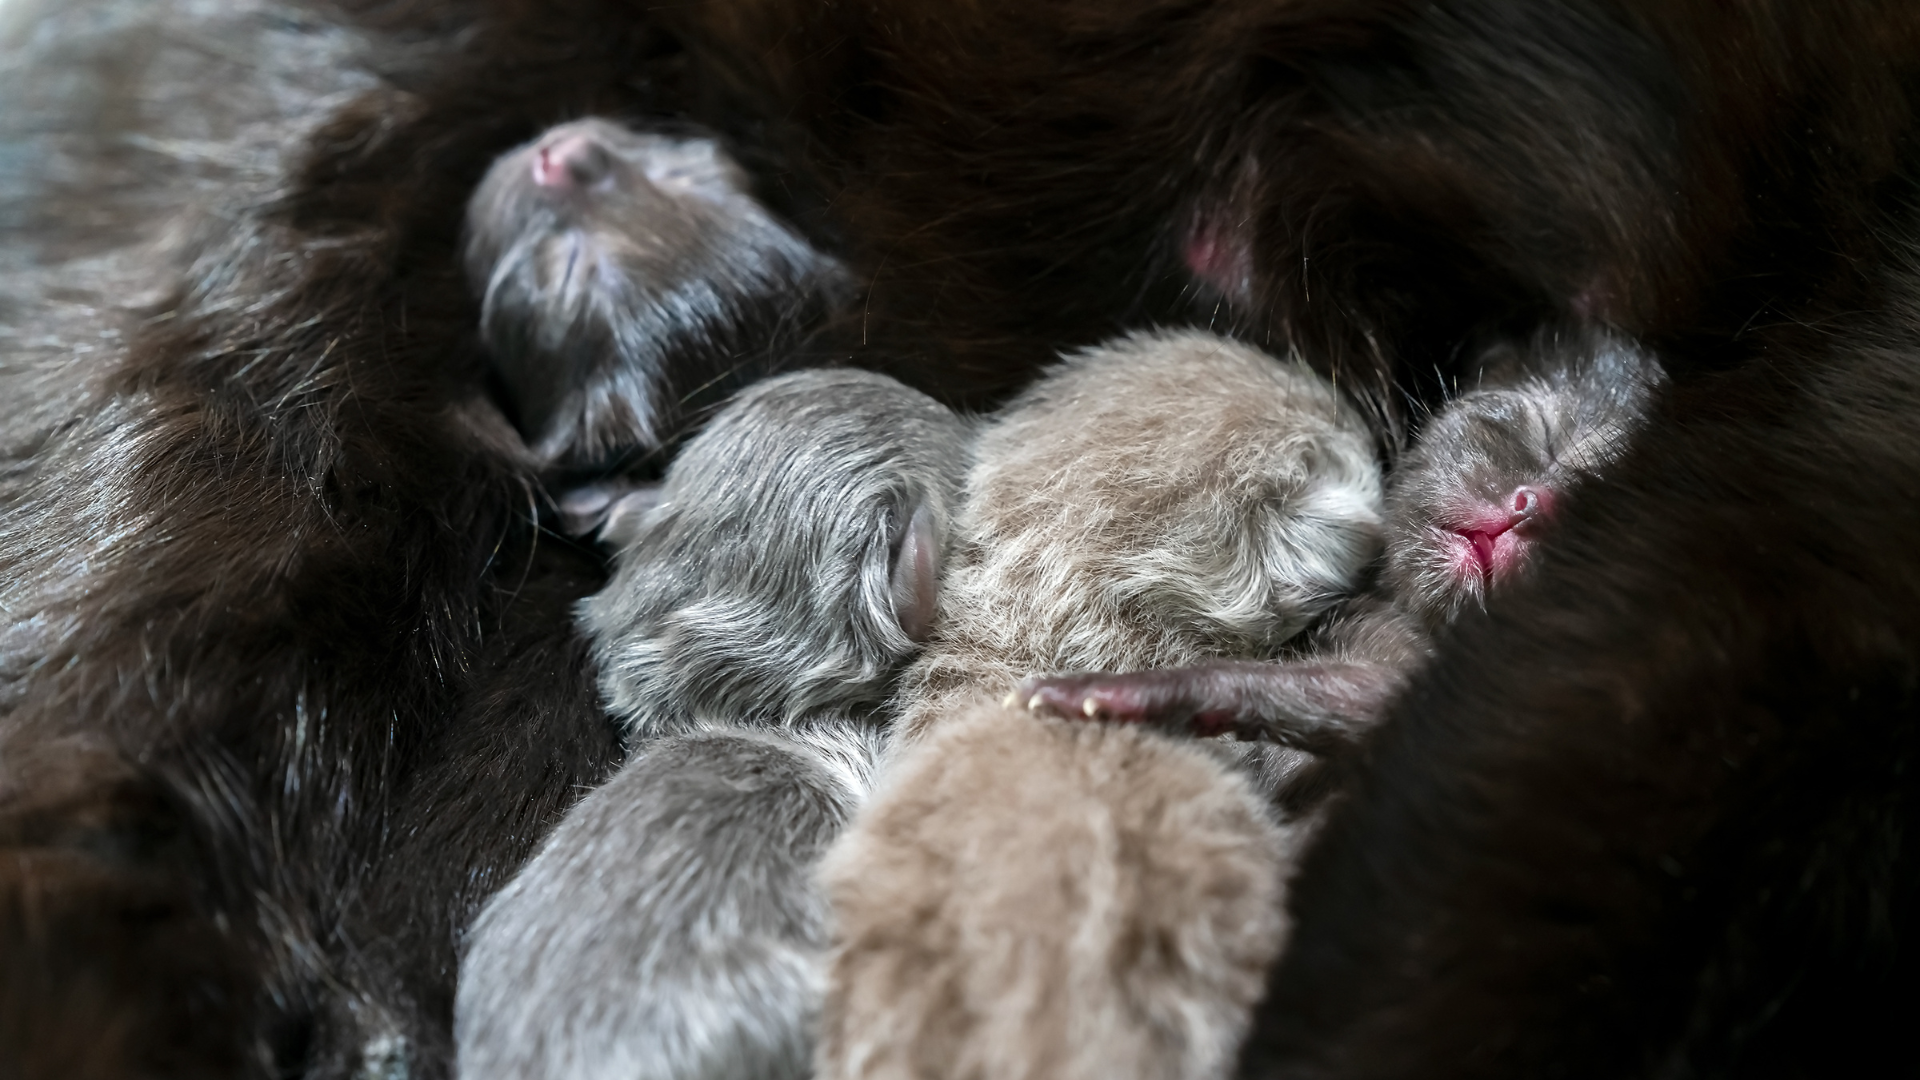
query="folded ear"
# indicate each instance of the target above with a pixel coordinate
(627, 513)
(916, 575)
(609, 511)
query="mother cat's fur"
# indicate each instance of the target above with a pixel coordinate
(1647, 814)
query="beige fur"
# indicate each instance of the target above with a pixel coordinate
(1162, 500)
(1029, 898)
(1109, 912)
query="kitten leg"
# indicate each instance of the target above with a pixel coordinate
(1313, 705)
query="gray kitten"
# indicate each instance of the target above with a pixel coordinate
(762, 606)
(1465, 506)
(628, 279)
(756, 619)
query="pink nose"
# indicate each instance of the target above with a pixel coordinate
(569, 162)
(1525, 504)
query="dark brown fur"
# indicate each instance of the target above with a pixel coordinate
(1646, 814)
(278, 620)
(1634, 824)
(1396, 179)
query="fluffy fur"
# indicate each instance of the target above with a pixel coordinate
(1159, 499)
(671, 926)
(1027, 899)
(776, 577)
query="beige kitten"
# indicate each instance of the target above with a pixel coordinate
(1033, 898)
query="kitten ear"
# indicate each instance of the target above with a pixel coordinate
(627, 513)
(610, 511)
(915, 582)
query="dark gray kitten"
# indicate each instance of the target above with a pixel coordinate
(757, 615)
(628, 277)
(1464, 507)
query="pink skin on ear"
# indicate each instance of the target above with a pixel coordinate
(570, 161)
(1491, 544)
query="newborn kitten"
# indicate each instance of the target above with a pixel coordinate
(755, 620)
(627, 279)
(1465, 507)
(1035, 899)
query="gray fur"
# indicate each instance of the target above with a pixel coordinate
(1550, 417)
(1554, 414)
(762, 586)
(1164, 500)
(613, 306)
(757, 616)
(670, 926)
(762, 606)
